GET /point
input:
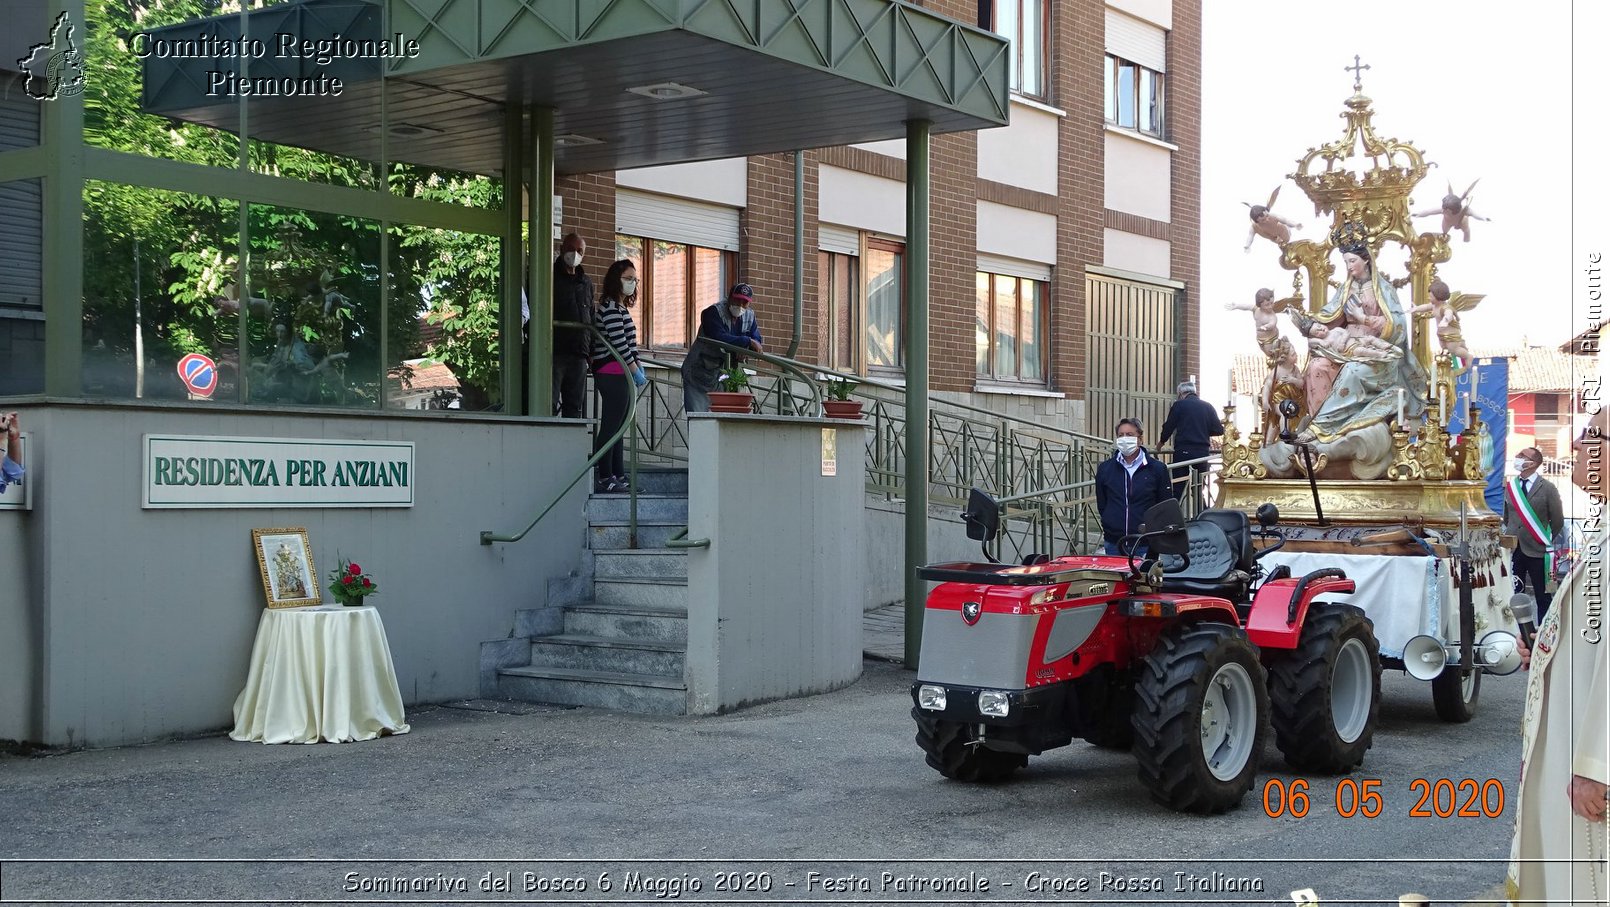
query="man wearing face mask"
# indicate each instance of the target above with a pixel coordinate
(731, 322)
(572, 301)
(1127, 484)
(1533, 514)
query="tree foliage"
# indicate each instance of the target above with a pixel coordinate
(182, 250)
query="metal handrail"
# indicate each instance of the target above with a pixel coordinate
(782, 362)
(488, 536)
(681, 540)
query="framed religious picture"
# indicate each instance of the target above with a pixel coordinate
(285, 560)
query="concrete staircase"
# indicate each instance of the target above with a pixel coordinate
(624, 647)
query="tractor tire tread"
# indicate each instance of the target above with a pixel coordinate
(1299, 692)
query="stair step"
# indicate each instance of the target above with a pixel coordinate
(653, 480)
(655, 657)
(622, 621)
(638, 693)
(642, 591)
(633, 563)
(615, 535)
(655, 508)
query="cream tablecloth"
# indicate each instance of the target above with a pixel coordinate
(319, 674)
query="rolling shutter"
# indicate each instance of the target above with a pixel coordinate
(1136, 41)
(844, 240)
(676, 220)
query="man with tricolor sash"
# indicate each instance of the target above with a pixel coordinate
(1533, 514)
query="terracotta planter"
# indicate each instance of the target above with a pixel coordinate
(726, 402)
(842, 409)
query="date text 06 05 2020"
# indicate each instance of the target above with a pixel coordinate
(1438, 798)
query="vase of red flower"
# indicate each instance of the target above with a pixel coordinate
(350, 585)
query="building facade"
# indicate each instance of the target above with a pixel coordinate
(1065, 245)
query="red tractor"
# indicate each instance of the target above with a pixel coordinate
(1187, 658)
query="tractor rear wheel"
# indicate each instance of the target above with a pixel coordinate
(1454, 692)
(1201, 717)
(1326, 693)
(956, 750)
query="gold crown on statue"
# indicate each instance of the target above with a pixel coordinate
(1362, 177)
(1351, 236)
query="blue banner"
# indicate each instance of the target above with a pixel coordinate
(1490, 377)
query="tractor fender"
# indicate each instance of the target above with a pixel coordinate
(1281, 606)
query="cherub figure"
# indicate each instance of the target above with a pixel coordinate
(1269, 225)
(1444, 309)
(1456, 212)
(1285, 382)
(1341, 344)
(1264, 310)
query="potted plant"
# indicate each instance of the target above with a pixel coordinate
(732, 394)
(349, 584)
(838, 404)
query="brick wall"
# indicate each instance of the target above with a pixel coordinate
(953, 262)
(589, 202)
(766, 256)
(1185, 130)
(1078, 27)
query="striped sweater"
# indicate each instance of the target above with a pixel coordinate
(616, 322)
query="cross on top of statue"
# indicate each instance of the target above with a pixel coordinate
(1355, 69)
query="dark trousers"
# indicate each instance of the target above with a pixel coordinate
(1534, 568)
(615, 391)
(569, 386)
(1182, 479)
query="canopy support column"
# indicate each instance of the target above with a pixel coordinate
(916, 429)
(509, 340)
(539, 399)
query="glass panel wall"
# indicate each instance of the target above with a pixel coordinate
(445, 313)
(159, 282)
(314, 322)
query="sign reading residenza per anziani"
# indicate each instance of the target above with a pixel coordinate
(187, 471)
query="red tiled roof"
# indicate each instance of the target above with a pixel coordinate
(1532, 369)
(423, 376)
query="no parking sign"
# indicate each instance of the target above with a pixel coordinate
(199, 374)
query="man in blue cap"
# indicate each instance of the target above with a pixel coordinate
(731, 322)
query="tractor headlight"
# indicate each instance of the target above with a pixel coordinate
(931, 697)
(994, 704)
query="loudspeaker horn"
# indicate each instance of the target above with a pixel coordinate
(1424, 658)
(1500, 653)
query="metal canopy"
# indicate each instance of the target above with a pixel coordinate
(775, 75)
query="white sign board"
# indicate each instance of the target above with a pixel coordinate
(18, 497)
(186, 471)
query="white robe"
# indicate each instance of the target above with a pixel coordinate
(1565, 733)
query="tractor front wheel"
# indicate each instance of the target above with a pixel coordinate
(1201, 717)
(1326, 693)
(957, 751)
(1454, 692)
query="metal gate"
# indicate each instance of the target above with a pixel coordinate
(1134, 359)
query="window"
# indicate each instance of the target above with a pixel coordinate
(1010, 328)
(840, 285)
(1023, 23)
(1134, 96)
(885, 305)
(674, 288)
(1546, 408)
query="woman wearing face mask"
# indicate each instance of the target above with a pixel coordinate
(615, 384)
(731, 322)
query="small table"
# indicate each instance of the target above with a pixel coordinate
(319, 674)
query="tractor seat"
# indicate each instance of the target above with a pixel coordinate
(1213, 569)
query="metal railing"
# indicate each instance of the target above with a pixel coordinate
(1043, 475)
(488, 536)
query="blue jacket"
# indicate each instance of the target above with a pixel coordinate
(1122, 499)
(1192, 422)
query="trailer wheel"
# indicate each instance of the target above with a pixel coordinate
(1325, 694)
(1200, 717)
(1454, 693)
(955, 750)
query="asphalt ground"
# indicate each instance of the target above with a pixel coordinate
(831, 784)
